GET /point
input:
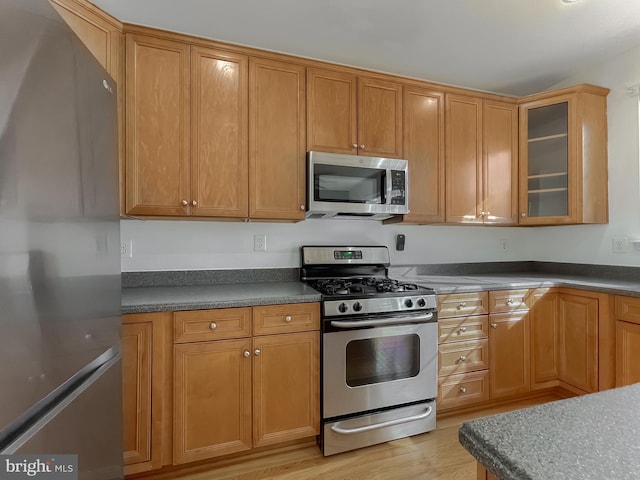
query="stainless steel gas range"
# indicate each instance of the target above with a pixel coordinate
(379, 348)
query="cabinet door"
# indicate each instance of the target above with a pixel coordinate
(508, 354)
(578, 341)
(219, 143)
(463, 133)
(212, 399)
(424, 149)
(379, 118)
(331, 111)
(627, 351)
(277, 147)
(157, 131)
(286, 381)
(136, 391)
(544, 336)
(500, 162)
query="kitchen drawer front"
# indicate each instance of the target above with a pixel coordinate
(462, 304)
(464, 389)
(461, 357)
(463, 328)
(204, 325)
(628, 309)
(296, 317)
(508, 300)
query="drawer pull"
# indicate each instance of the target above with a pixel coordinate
(462, 329)
(213, 326)
(463, 358)
(287, 318)
(463, 389)
(462, 305)
(494, 325)
(510, 301)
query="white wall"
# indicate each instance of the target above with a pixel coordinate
(177, 245)
(593, 243)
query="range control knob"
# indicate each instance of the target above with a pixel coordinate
(421, 302)
(408, 303)
(343, 307)
(357, 306)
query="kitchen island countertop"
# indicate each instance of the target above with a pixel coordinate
(588, 437)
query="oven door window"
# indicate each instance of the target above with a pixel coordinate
(334, 183)
(383, 359)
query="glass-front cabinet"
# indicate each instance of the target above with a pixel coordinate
(563, 157)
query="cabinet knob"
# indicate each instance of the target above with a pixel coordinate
(523, 215)
(213, 326)
(462, 305)
(194, 203)
(487, 214)
(287, 318)
(510, 301)
(494, 325)
(362, 147)
(462, 329)
(301, 207)
(463, 389)
(246, 353)
(482, 214)
(257, 352)
(463, 358)
(354, 145)
(184, 203)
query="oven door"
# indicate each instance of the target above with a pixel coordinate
(376, 367)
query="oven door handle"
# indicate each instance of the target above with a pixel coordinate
(375, 426)
(381, 322)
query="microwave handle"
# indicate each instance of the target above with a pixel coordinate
(389, 187)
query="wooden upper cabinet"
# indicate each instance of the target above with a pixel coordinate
(481, 161)
(331, 112)
(500, 162)
(277, 147)
(354, 115)
(463, 159)
(379, 118)
(219, 133)
(158, 127)
(563, 157)
(424, 149)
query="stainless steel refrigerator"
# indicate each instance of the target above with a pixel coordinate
(60, 370)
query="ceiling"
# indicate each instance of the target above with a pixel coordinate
(514, 47)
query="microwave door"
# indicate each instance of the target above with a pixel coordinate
(389, 186)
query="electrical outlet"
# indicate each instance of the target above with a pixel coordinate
(504, 245)
(260, 243)
(126, 248)
(620, 244)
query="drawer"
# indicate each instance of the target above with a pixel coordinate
(464, 389)
(462, 304)
(204, 325)
(508, 300)
(627, 308)
(463, 328)
(461, 357)
(296, 317)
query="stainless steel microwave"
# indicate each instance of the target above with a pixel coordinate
(353, 186)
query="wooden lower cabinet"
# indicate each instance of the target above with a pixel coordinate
(578, 341)
(463, 389)
(212, 399)
(144, 338)
(232, 395)
(627, 315)
(508, 354)
(543, 315)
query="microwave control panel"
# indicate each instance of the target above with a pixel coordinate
(398, 187)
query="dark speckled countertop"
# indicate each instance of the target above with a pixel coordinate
(195, 290)
(591, 437)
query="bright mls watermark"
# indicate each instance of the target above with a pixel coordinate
(50, 467)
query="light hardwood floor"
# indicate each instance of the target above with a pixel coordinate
(431, 456)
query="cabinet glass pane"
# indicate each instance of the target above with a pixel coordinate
(548, 161)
